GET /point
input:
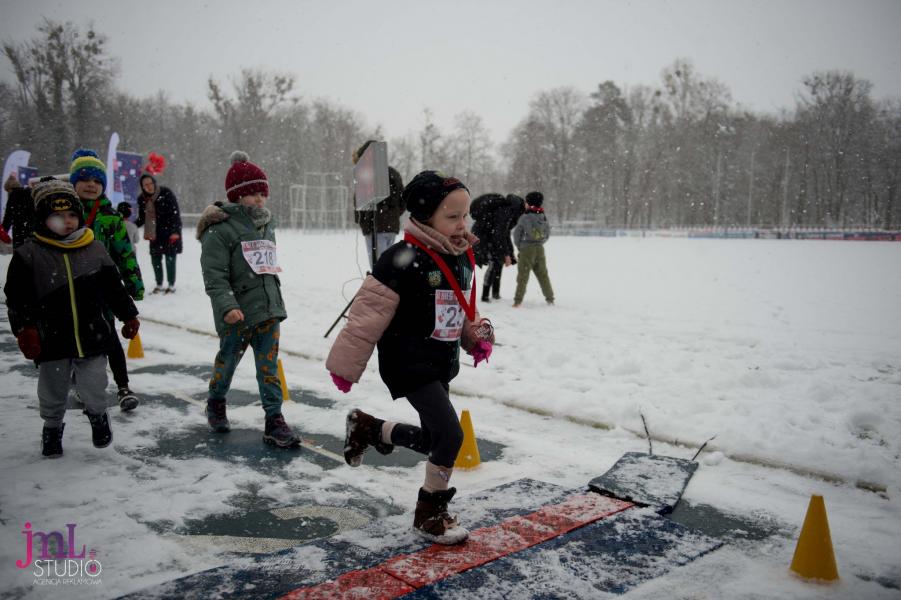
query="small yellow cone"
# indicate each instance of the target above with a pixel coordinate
(814, 558)
(468, 458)
(135, 349)
(286, 396)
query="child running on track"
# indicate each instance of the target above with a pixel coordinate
(419, 307)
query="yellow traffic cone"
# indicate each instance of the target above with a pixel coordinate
(286, 396)
(468, 457)
(814, 558)
(135, 349)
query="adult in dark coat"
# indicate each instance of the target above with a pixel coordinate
(158, 212)
(19, 214)
(384, 220)
(494, 216)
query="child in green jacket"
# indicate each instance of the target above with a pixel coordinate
(240, 266)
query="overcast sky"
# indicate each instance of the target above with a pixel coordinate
(389, 60)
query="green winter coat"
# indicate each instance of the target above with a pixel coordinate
(109, 229)
(227, 277)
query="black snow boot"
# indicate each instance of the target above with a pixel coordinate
(127, 399)
(279, 434)
(101, 433)
(486, 293)
(216, 417)
(52, 441)
(363, 430)
(432, 521)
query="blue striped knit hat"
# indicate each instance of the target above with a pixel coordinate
(87, 165)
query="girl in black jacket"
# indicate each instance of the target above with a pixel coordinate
(419, 306)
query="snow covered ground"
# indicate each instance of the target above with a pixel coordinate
(789, 352)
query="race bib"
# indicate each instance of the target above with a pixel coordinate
(261, 256)
(448, 317)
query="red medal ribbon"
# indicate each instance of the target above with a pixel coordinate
(90, 220)
(468, 308)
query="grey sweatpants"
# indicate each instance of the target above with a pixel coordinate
(55, 378)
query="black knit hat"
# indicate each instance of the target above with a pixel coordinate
(426, 191)
(534, 198)
(52, 196)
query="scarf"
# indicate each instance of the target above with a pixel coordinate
(438, 241)
(259, 216)
(150, 214)
(77, 239)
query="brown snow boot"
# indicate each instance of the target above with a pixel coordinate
(432, 521)
(363, 430)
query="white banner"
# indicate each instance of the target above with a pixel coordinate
(19, 158)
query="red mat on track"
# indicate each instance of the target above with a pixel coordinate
(403, 574)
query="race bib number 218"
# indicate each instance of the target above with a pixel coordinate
(261, 256)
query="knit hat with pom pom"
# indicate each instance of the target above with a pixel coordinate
(244, 178)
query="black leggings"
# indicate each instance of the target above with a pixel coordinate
(493, 274)
(440, 435)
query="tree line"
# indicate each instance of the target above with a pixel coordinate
(675, 154)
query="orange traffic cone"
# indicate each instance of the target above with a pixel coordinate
(135, 349)
(286, 396)
(814, 558)
(468, 457)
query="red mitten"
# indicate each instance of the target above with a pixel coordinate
(130, 328)
(341, 383)
(4, 237)
(174, 238)
(29, 342)
(481, 351)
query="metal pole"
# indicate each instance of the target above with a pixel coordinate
(751, 188)
(785, 191)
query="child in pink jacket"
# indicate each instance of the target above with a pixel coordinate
(419, 307)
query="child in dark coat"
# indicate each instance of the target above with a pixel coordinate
(59, 287)
(419, 307)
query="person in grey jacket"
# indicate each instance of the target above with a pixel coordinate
(240, 273)
(531, 232)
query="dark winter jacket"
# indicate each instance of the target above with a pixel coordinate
(19, 215)
(494, 215)
(65, 294)
(396, 309)
(229, 280)
(168, 221)
(532, 229)
(388, 211)
(109, 229)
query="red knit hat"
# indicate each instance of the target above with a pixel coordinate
(244, 178)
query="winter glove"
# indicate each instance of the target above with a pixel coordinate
(130, 328)
(341, 383)
(481, 351)
(4, 237)
(174, 238)
(29, 342)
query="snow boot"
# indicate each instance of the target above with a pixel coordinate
(52, 441)
(486, 293)
(216, 417)
(363, 430)
(101, 434)
(170, 289)
(127, 399)
(496, 291)
(279, 434)
(432, 521)
(158, 289)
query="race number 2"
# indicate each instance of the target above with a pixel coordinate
(261, 256)
(448, 317)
